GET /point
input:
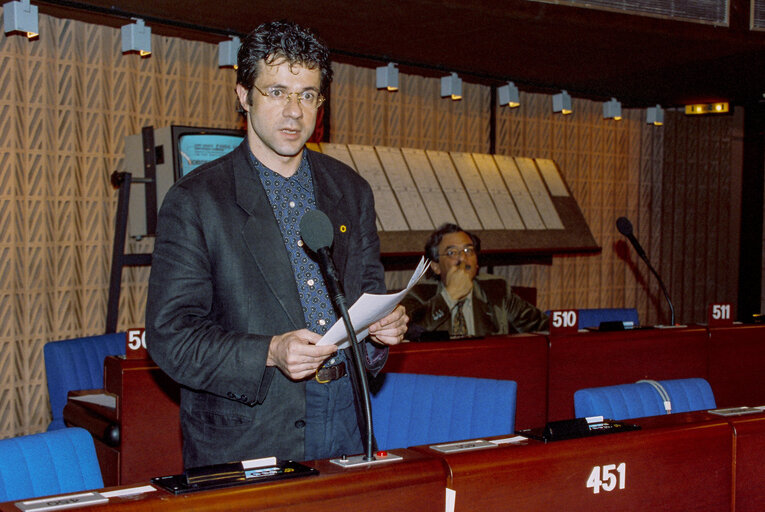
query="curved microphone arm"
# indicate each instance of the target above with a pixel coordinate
(624, 226)
(664, 290)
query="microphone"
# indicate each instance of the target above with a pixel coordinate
(624, 226)
(316, 231)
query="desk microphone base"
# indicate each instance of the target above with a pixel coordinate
(358, 460)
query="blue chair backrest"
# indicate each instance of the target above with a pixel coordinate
(593, 317)
(689, 394)
(77, 364)
(626, 401)
(53, 462)
(412, 409)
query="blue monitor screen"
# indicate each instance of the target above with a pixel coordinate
(198, 148)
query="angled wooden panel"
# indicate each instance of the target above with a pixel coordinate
(403, 187)
(476, 190)
(487, 167)
(455, 189)
(424, 176)
(368, 165)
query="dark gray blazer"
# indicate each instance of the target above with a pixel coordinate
(221, 286)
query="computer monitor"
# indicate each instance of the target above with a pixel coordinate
(177, 151)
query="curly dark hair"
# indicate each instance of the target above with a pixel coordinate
(431, 246)
(277, 40)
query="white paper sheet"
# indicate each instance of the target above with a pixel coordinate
(369, 309)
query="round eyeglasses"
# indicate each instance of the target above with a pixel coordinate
(454, 253)
(278, 96)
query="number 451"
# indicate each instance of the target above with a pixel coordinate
(607, 477)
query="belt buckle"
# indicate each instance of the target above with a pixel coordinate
(316, 376)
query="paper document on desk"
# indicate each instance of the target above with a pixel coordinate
(369, 309)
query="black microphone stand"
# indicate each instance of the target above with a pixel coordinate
(333, 287)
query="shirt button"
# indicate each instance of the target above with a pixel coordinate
(292, 204)
(322, 321)
(332, 361)
(300, 424)
(300, 243)
(310, 282)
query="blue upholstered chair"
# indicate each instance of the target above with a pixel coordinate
(53, 462)
(644, 398)
(411, 409)
(593, 317)
(77, 364)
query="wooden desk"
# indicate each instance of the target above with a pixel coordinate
(749, 442)
(521, 357)
(675, 464)
(416, 483)
(593, 359)
(147, 416)
(737, 365)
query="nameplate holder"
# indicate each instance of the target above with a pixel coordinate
(62, 502)
(564, 321)
(135, 344)
(720, 315)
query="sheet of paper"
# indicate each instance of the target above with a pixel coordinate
(369, 309)
(98, 399)
(128, 492)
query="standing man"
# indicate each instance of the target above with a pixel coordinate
(236, 302)
(462, 302)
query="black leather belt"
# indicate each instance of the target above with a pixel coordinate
(330, 373)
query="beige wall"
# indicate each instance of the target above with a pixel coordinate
(68, 100)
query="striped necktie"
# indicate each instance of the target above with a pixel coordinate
(460, 327)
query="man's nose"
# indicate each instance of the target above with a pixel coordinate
(293, 108)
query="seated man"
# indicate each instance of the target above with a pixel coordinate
(461, 302)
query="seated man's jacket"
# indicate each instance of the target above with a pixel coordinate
(496, 309)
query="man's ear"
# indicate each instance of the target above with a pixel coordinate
(243, 94)
(435, 268)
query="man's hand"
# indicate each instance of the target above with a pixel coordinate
(458, 282)
(390, 330)
(296, 354)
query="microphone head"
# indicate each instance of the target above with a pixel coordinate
(316, 230)
(624, 226)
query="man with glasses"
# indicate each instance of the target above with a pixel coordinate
(463, 303)
(236, 302)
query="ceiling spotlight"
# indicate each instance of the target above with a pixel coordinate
(509, 95)
(387, 77)
(20, 16)
(136, 37)
(654, 115)
(721, 107)
(612, 109)
(562, 102)
(227, 51)
(451, 85)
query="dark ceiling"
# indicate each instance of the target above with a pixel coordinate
(640, 60)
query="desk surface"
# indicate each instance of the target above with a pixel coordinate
(417, 483)
(681, 462)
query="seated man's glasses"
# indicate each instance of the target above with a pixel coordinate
(454, 253)
(278, 96)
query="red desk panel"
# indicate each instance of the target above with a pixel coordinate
(749, 482)
(677, 467)
(592, 359)
(415, 484)
(521, 357)
(737, 365)
(147, 415)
